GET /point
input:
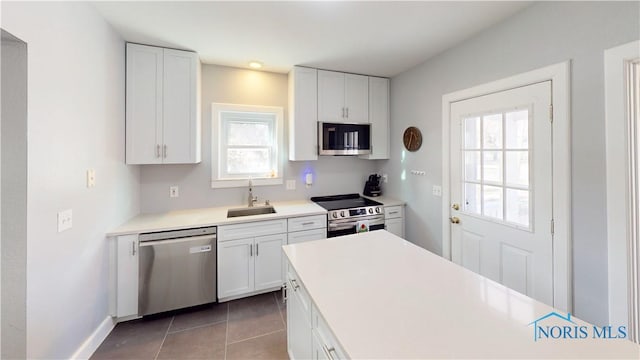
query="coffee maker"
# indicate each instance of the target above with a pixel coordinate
(372, 186)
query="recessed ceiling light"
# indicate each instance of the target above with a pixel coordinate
(255, 64)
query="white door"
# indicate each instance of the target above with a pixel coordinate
(235, 267)
(356, 98)
(268, 258)
(331, 97)
(501, 188)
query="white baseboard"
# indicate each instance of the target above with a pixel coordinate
(92, 343)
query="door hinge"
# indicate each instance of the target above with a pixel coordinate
(552, 226)
(551, 112)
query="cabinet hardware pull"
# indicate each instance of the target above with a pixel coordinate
(347, 113)
(294, 284)
(343, 112)
(392, 212)
(157, 150)
(251, 250)
(164, 150)
(284, 293)
(133, 248)
(307, 223)
(328, 351)
(257, 249)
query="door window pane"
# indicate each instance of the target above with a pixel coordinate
(518, 206)
(472, 198)
(517, 163)
(492, 131)
(472, 165)
(492, 166)
(517, 129)
(492, 201)
(472, 133)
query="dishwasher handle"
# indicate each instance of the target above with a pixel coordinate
(176, 241)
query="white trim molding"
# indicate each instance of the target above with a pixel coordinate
(622, 183)
(559, 74)
(91, 344)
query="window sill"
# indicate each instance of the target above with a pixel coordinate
(219, 184)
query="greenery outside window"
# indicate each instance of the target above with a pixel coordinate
(249, 145)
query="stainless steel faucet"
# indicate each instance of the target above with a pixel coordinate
(252, 199)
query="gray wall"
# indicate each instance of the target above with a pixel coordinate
(14, 197)
(76, 67)
(541, 35)
(333, 175)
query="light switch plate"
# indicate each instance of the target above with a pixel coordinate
(65, 220)
(91, 178)
(437, 190)
(174, 191)
(291, 184)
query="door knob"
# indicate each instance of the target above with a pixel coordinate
(455, 220)
(455, 207)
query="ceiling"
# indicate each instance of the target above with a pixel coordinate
(373, 38)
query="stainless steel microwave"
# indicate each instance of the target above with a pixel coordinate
(344, 139)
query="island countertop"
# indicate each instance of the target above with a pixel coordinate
(384, 297)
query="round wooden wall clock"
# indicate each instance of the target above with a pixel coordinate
(412, 138)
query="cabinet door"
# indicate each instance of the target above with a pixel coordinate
(268, 259)
(298, 327)
(356, 98)
(317, 352)
(303, 114)
(144, 104)
(235, 267)
(331, 97)
(181, 135)
(379, 118)
(127, 276)
(395, 226)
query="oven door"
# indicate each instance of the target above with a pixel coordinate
(348, 226)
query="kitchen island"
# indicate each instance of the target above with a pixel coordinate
(375, 295)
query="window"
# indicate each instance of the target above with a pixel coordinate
(246, 144)
(496, 166)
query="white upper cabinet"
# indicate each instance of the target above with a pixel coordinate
(303, 114)
(379, 118)
(343, 98)
(163, 106)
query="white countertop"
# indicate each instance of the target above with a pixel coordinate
(383, 297)
(183, 219)
(386, 201)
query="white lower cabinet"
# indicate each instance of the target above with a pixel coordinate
(250, 264)
(394, 220)
(307, 228)
(308, 336)
(126, 302)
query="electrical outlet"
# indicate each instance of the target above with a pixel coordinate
(174, 191)
(291, 184)
(65, 220)
(91, 178)
(385, 178)
(437, 190)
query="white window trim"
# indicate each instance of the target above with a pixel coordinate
(562, 256)
(216, 130)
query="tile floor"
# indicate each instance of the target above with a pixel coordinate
(249, 328)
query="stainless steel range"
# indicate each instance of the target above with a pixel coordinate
(347, 212)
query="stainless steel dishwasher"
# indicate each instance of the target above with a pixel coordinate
(177, 269)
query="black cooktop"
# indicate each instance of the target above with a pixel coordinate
(347, 201)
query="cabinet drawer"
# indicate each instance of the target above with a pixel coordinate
(330, 346)
(391, 212)
(252, 229)
(307, 235)
(307, 223)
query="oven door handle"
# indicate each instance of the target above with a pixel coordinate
(349, 224)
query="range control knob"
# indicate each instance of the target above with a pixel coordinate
(370, 210)
(377, 210)
(342, 213)
(335, 214)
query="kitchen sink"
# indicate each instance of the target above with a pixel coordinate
(248, 211)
